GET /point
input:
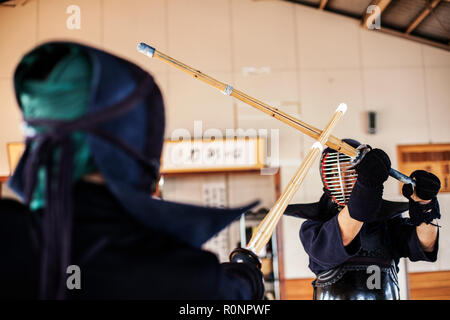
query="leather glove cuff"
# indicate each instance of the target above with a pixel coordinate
(419, 213)
(365, 202)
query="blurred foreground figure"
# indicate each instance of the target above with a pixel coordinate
(95, 127)
(354, 238)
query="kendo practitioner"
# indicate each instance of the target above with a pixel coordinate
(353, 228)
(95, 128)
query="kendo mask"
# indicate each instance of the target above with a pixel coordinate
(338, 175)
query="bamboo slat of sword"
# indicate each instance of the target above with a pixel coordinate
(304, 127)
(332, 142)
(265, 229)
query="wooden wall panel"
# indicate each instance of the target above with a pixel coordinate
(422, 286)
(3, 180)
(434, 158)
(429, 285)
(298, 289)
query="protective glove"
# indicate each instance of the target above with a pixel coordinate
(246, 264)
(427, 188)
(427, 185)
(241, 255)
(373, 170)
(366, 199)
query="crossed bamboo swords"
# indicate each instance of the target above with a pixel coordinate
(265, 229)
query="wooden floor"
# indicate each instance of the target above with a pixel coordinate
(422, 286)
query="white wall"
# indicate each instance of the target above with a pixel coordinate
(316, 60)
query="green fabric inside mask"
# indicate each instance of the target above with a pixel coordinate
(63, 94)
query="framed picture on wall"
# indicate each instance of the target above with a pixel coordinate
(15, 151)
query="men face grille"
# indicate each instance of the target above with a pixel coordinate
(338, 177)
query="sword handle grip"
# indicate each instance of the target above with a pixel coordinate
(363, 149)
(402, 177)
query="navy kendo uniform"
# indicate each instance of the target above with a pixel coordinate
(127, 244)
(344, 272)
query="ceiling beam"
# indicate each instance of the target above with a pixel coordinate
(322, 4)
(13, 3)
(369, 17)
(415, 38)
(422, 15)
(383, 4)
